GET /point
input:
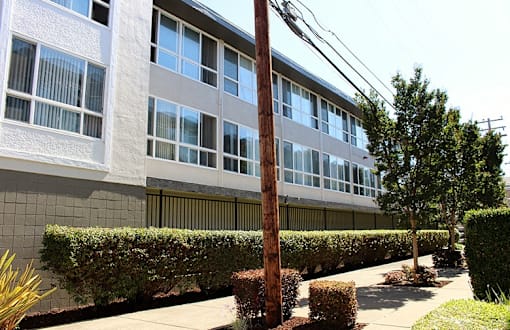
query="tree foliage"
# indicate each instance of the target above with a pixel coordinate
(405, 145)
(431, 164)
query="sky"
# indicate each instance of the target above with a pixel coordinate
(462, 45)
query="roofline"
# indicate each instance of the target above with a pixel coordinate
(213, 23)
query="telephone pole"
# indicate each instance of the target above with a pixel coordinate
(489, 122)
(271, 223)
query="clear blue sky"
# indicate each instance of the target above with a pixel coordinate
(462, 45)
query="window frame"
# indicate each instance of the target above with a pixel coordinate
(35, 100)
(204, 71)
(90, 10)
(339, 126)
(335, 182)
(239, 82)
(364, 181)
(295, 167)
(205, 155)
(312, 120)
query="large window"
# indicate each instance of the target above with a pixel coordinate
(96, 10)
(50, 88)
(336, 172)
(364, 181)
(178, 133)
(241, 152)
(240, 76)
(358, 136)
(299, 104)
(302, 165)
(183, 49)
(334, 121)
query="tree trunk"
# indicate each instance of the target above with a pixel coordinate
(451, 227)
(415, 245)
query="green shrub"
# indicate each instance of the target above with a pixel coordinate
(465, 314)
(135, 263)
(248, 290)
(488, 251)
(445, 258)
(334, 302)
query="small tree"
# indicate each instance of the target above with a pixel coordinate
(491, 189)
(459, 157)
(405, 148)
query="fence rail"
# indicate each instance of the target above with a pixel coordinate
(166, 210)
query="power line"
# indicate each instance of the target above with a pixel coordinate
(289, 18)
(345, 46)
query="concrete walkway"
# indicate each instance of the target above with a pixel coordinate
(380, 307)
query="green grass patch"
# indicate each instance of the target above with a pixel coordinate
(466, 314)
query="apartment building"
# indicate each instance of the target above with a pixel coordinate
(144, 113)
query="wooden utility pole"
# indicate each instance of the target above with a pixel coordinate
(271, 225)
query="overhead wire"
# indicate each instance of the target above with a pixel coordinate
(345, 46)
(289, 19)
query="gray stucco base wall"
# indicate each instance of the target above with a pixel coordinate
(28, 202)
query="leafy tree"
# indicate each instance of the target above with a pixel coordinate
(491, 189)
(405, 148)
(459, 157)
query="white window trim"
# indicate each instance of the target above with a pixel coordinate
(177, 142)
(179, 56)
(294, 171)
(89, 16)
(238, 82)
(293, 107)
(338, 181)
(33, 98)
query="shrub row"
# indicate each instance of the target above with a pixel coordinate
(488, 251)
(135, 263)
(249, 287)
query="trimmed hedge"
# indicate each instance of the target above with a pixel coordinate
(135, 263)
(488, 250)
(248, 290)
(333, 301)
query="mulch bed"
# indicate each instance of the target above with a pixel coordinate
(436, 284)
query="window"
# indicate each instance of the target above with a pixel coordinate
(301, 165)
(178, 133)
(97, 10)
(241, 149)
(358, 136)
(241, 152)
(50, 88)
(364, 181)
(183, 49)
(276, 94)
(240, 76)
(334, 121)
(336, 172)
(299, 104)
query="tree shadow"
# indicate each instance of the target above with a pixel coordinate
(381, 297)
(451, 273)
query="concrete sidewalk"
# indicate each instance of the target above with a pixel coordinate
(380, 307)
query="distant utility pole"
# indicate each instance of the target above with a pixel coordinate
(489, 122)
(268, 184)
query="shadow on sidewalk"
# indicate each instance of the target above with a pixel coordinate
(451, 272)
(380, 297)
